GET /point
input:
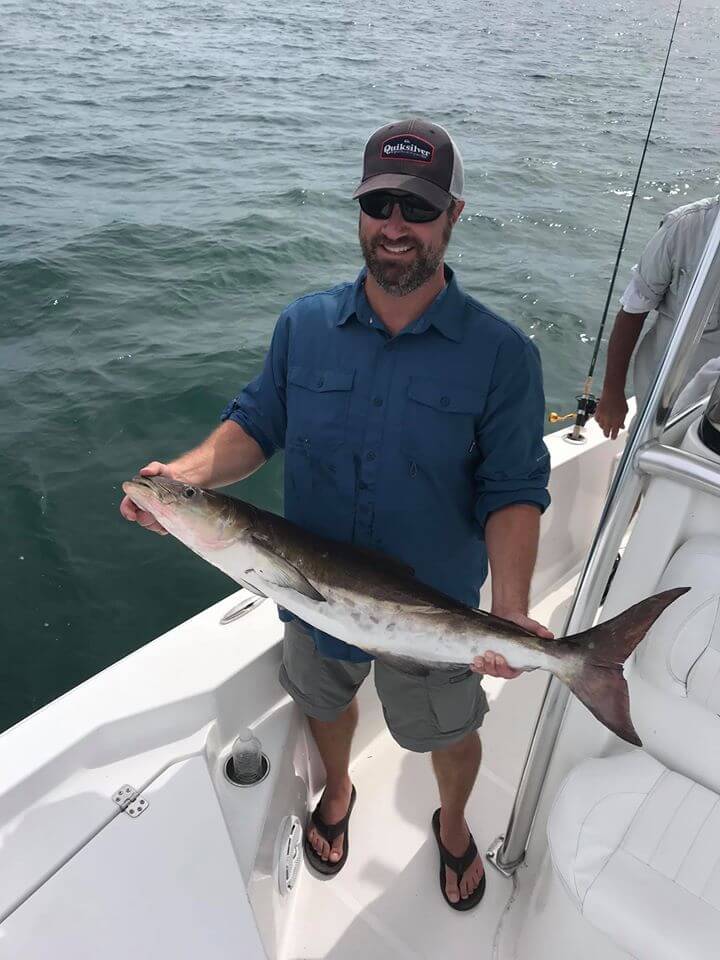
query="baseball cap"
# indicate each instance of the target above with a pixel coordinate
(415, 156)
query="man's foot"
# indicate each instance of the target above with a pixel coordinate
(455, 837)
(333, 807)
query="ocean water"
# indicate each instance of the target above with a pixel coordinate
(173, 173)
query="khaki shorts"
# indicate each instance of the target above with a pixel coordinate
(422, 713)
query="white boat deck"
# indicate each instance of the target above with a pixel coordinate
(386, 903)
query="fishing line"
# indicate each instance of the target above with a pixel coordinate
(587, 402)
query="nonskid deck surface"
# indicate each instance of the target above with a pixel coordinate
(386, 903)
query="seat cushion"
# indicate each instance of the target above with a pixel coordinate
(681, 653)
(637, 847)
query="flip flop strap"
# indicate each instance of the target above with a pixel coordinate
(330, 831)
(458, 864)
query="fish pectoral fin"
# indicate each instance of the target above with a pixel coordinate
(251, 588)
(283, 574)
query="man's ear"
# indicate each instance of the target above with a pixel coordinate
(457, 210)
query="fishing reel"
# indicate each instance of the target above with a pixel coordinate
(586, 407)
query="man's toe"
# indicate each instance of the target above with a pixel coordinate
(319, 845)
(336, 851)
(451, 887)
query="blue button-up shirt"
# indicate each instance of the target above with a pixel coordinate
(405, 444)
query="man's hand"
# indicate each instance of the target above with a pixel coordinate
(495, 665)
(132, 512)
(611, 411)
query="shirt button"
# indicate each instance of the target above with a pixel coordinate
(371, 455)
(321, 381)
(444, 401)
(371, 320)
(378, 401)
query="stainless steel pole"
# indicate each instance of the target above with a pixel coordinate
(508, 852)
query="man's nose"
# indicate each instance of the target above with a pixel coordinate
(395, 226)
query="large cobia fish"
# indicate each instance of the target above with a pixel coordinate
(374, 602)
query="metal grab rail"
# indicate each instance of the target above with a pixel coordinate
(508, 852)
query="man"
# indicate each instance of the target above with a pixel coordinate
(660, 281)
(412, 423)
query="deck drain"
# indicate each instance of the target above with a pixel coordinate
(288, 853)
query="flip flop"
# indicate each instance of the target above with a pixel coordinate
(459, 865)
(329, 832)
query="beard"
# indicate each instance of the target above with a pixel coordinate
(400, 279)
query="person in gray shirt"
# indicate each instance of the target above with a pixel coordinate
(660, 281)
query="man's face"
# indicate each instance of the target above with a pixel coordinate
(402, 256)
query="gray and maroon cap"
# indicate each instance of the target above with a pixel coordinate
(415, 156)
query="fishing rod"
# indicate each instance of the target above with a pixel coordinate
(587, 402)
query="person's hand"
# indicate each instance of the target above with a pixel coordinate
(611, 411)
(495, 665)
(132, 512)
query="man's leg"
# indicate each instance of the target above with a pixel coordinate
(334, 739)
(456, 768)
(325, 689)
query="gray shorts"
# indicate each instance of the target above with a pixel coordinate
(422, 713)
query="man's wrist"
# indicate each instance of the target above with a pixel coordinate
(188, 473)
(507, 611)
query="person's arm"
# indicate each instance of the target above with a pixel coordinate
(612, 407)
(512, 479)
(511, 537)
(229, 454)
(254, 427)
(651, 277)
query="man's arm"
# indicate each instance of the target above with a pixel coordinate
(511, 537)
(612, 407)
(511, 479)
(253, 428)
(229, 454)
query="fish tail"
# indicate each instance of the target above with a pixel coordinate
(594, 662)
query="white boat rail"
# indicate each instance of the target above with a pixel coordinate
(643, 454)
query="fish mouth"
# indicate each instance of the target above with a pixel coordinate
(156, 488)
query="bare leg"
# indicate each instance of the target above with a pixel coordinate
(456, 768)
(334, 740)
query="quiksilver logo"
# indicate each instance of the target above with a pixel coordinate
(407, 148)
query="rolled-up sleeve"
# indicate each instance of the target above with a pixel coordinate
(260, 409)
(515, 464)
(652, 276)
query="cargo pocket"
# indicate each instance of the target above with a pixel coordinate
(455, 699)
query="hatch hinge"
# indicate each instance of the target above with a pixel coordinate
(130, 801)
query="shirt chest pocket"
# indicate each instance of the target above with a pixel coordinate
(318, 402)
(439, 420)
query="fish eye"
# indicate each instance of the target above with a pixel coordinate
(189, 492)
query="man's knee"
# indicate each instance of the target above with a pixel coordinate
(468, 745)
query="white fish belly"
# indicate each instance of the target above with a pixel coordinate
(421, 633)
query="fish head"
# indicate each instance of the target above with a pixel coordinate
(204, 520)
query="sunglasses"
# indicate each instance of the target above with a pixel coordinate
(379, 205)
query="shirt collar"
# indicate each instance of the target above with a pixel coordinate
(445, 313)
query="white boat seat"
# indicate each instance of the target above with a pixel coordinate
(681, 654)
(637, 847)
